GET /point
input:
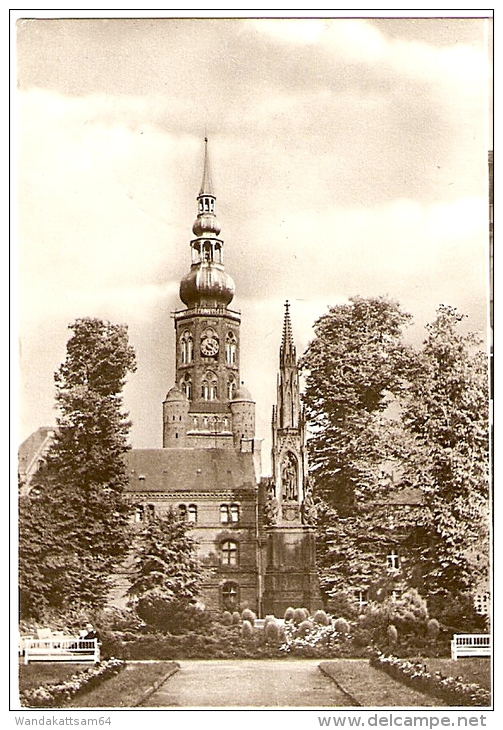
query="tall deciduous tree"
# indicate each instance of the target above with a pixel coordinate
(354, 368)
(77, 511)
(447, 411)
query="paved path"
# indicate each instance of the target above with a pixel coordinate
(248, 683)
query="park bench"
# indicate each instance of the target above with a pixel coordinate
(470, 645)
(60, 648)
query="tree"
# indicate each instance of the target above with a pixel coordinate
(165, 577)
(447, 412)
(355, 367)
(377, 407)
(73, 523)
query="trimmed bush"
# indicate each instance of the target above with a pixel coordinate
(341, 626)
(248, 615)
(305, 627)
(299, 615)
(289, 614)
(272, 632)
(246, 630)
(320, 617)
(227, 618)
(432, 628)
(236, 618)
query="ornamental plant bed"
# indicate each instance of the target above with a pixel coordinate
(371, 688)
(453, 690)
(128, 688)
(58, 694)
(471, 669)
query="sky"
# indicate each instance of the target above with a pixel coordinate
(348, 157)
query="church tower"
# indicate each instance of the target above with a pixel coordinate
(290, 576)
(208, 406)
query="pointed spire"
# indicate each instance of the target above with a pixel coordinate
(206, 184)
(287, 353)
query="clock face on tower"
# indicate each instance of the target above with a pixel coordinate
(209, 346)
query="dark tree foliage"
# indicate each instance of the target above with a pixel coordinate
(355, 367)
(166, 577)
(447, 411)
(73, 522)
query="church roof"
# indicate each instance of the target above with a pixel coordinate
(198, 470)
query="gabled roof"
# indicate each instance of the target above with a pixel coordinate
(198, 470)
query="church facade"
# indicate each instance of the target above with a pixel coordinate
(255, 540)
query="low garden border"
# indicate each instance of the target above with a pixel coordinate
(452, 690)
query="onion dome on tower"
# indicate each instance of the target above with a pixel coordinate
(207, 284)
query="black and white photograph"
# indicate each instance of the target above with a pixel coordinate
(252, 366)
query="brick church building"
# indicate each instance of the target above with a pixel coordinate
(253, 534)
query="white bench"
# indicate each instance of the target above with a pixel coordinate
(61, 649)
(470, 645)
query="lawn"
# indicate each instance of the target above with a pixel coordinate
(471, 669)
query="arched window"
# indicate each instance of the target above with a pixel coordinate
(187, 347)
(229, 552)
(187, 386)
(192, 513)
(182, 511)
(230, 348)
(230, 596)
(224, 514)
(209, 388)
(231, 389)
(234, 511)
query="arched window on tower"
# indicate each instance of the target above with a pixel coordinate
(187, 344)
(230, 348)
(231, 389)
(209, 386)
(187, 386)
(192, 513)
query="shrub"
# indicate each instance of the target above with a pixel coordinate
(246, 630)
(248, 615)
(305, 627)
(227, 618)
(299, 615)
(236, 618)
(272, 632)
(456, 613)
(289, 614)
(320, 617)
(341, 626)
(432, 629)
(342, 604)
(172, 616)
